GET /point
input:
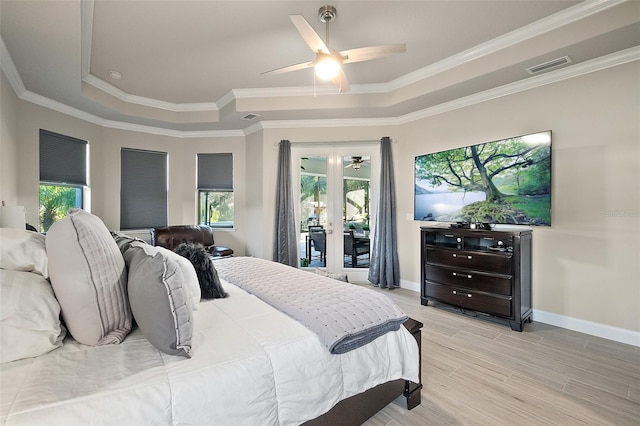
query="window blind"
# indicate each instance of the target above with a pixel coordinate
(215, 172)
(143, 189)
(63, 159)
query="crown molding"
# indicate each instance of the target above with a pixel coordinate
(542, 26)
(571, 14)
(86, 36)
(120, 125)
(594, 65)
(172, 133)
(10, 70)
(582, 68)
(100, 84)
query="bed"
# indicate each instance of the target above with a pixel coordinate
(248, 362)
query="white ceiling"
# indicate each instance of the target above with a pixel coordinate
(195, 66)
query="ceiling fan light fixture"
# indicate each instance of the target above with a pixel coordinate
(327, 67)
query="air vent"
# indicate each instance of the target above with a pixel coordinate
(548, 65)
(250, 116)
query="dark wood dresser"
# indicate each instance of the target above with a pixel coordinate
(484, 272)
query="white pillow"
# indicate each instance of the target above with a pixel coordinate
(89, 279)
(29, 316)
(22, 250)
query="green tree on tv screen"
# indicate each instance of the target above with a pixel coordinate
(510, 172)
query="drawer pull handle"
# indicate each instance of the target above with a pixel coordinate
(455, 274)
(462, 294)
(468, 257)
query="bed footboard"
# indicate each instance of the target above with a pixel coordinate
(358, 408)
(412, 390)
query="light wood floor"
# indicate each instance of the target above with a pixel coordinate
(476, 372)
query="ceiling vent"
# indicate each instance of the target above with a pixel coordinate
(548, 65)
(250, 116)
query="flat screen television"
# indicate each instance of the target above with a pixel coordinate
(506, 181)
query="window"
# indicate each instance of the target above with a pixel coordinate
(63, 176)
(143, 189)
(215, 190)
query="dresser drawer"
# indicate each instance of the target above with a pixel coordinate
(500, 284)
(490, 262)
(472, 300)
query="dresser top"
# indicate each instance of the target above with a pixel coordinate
(503, 229)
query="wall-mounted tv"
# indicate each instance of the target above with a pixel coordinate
(506, 181)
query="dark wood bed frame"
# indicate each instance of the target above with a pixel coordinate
(358, 408)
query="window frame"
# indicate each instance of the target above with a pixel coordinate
(214, 175)
(70, 159)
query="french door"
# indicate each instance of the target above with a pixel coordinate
(337, 191)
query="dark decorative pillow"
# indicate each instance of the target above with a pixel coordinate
(210, 285)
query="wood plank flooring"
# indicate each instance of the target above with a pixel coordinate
(476, 372)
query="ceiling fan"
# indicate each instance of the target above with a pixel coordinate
(356, 162)
(328, 62)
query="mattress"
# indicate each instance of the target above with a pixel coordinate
(250, 364)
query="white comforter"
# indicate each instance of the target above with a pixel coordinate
(250, 365)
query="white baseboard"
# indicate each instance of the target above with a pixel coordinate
(410, 285)
(617, 334)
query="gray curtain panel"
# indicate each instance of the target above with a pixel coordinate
(285, 246)
(384, 269)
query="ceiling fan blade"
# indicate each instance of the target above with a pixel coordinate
(308, 34)
(372, 52)
(341, 82)
(289, 68)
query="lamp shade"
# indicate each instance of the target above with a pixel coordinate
(13, 217)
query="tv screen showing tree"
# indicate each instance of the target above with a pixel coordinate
(502, 182)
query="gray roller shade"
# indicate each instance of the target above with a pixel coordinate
(215, 172)
(63, 159)
(143, 189)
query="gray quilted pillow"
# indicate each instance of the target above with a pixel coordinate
(159, 298)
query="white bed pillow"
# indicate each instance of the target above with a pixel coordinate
(160, 300)
(29, 316)
(22, 250)
(89, 279)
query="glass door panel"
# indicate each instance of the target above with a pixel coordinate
(356, 220)
(313, 211)
(336, 190)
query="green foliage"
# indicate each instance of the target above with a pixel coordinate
(485, 211)
(216, 207)
(312, 186)
(499, 168)
(55, 202)
(514, 209)
(535, 207)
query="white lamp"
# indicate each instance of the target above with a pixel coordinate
(13, 217)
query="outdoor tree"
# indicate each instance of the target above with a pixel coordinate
(55, 202)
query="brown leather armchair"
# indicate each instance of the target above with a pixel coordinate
(171, 237)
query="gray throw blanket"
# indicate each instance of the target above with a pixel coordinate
(344, 316)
